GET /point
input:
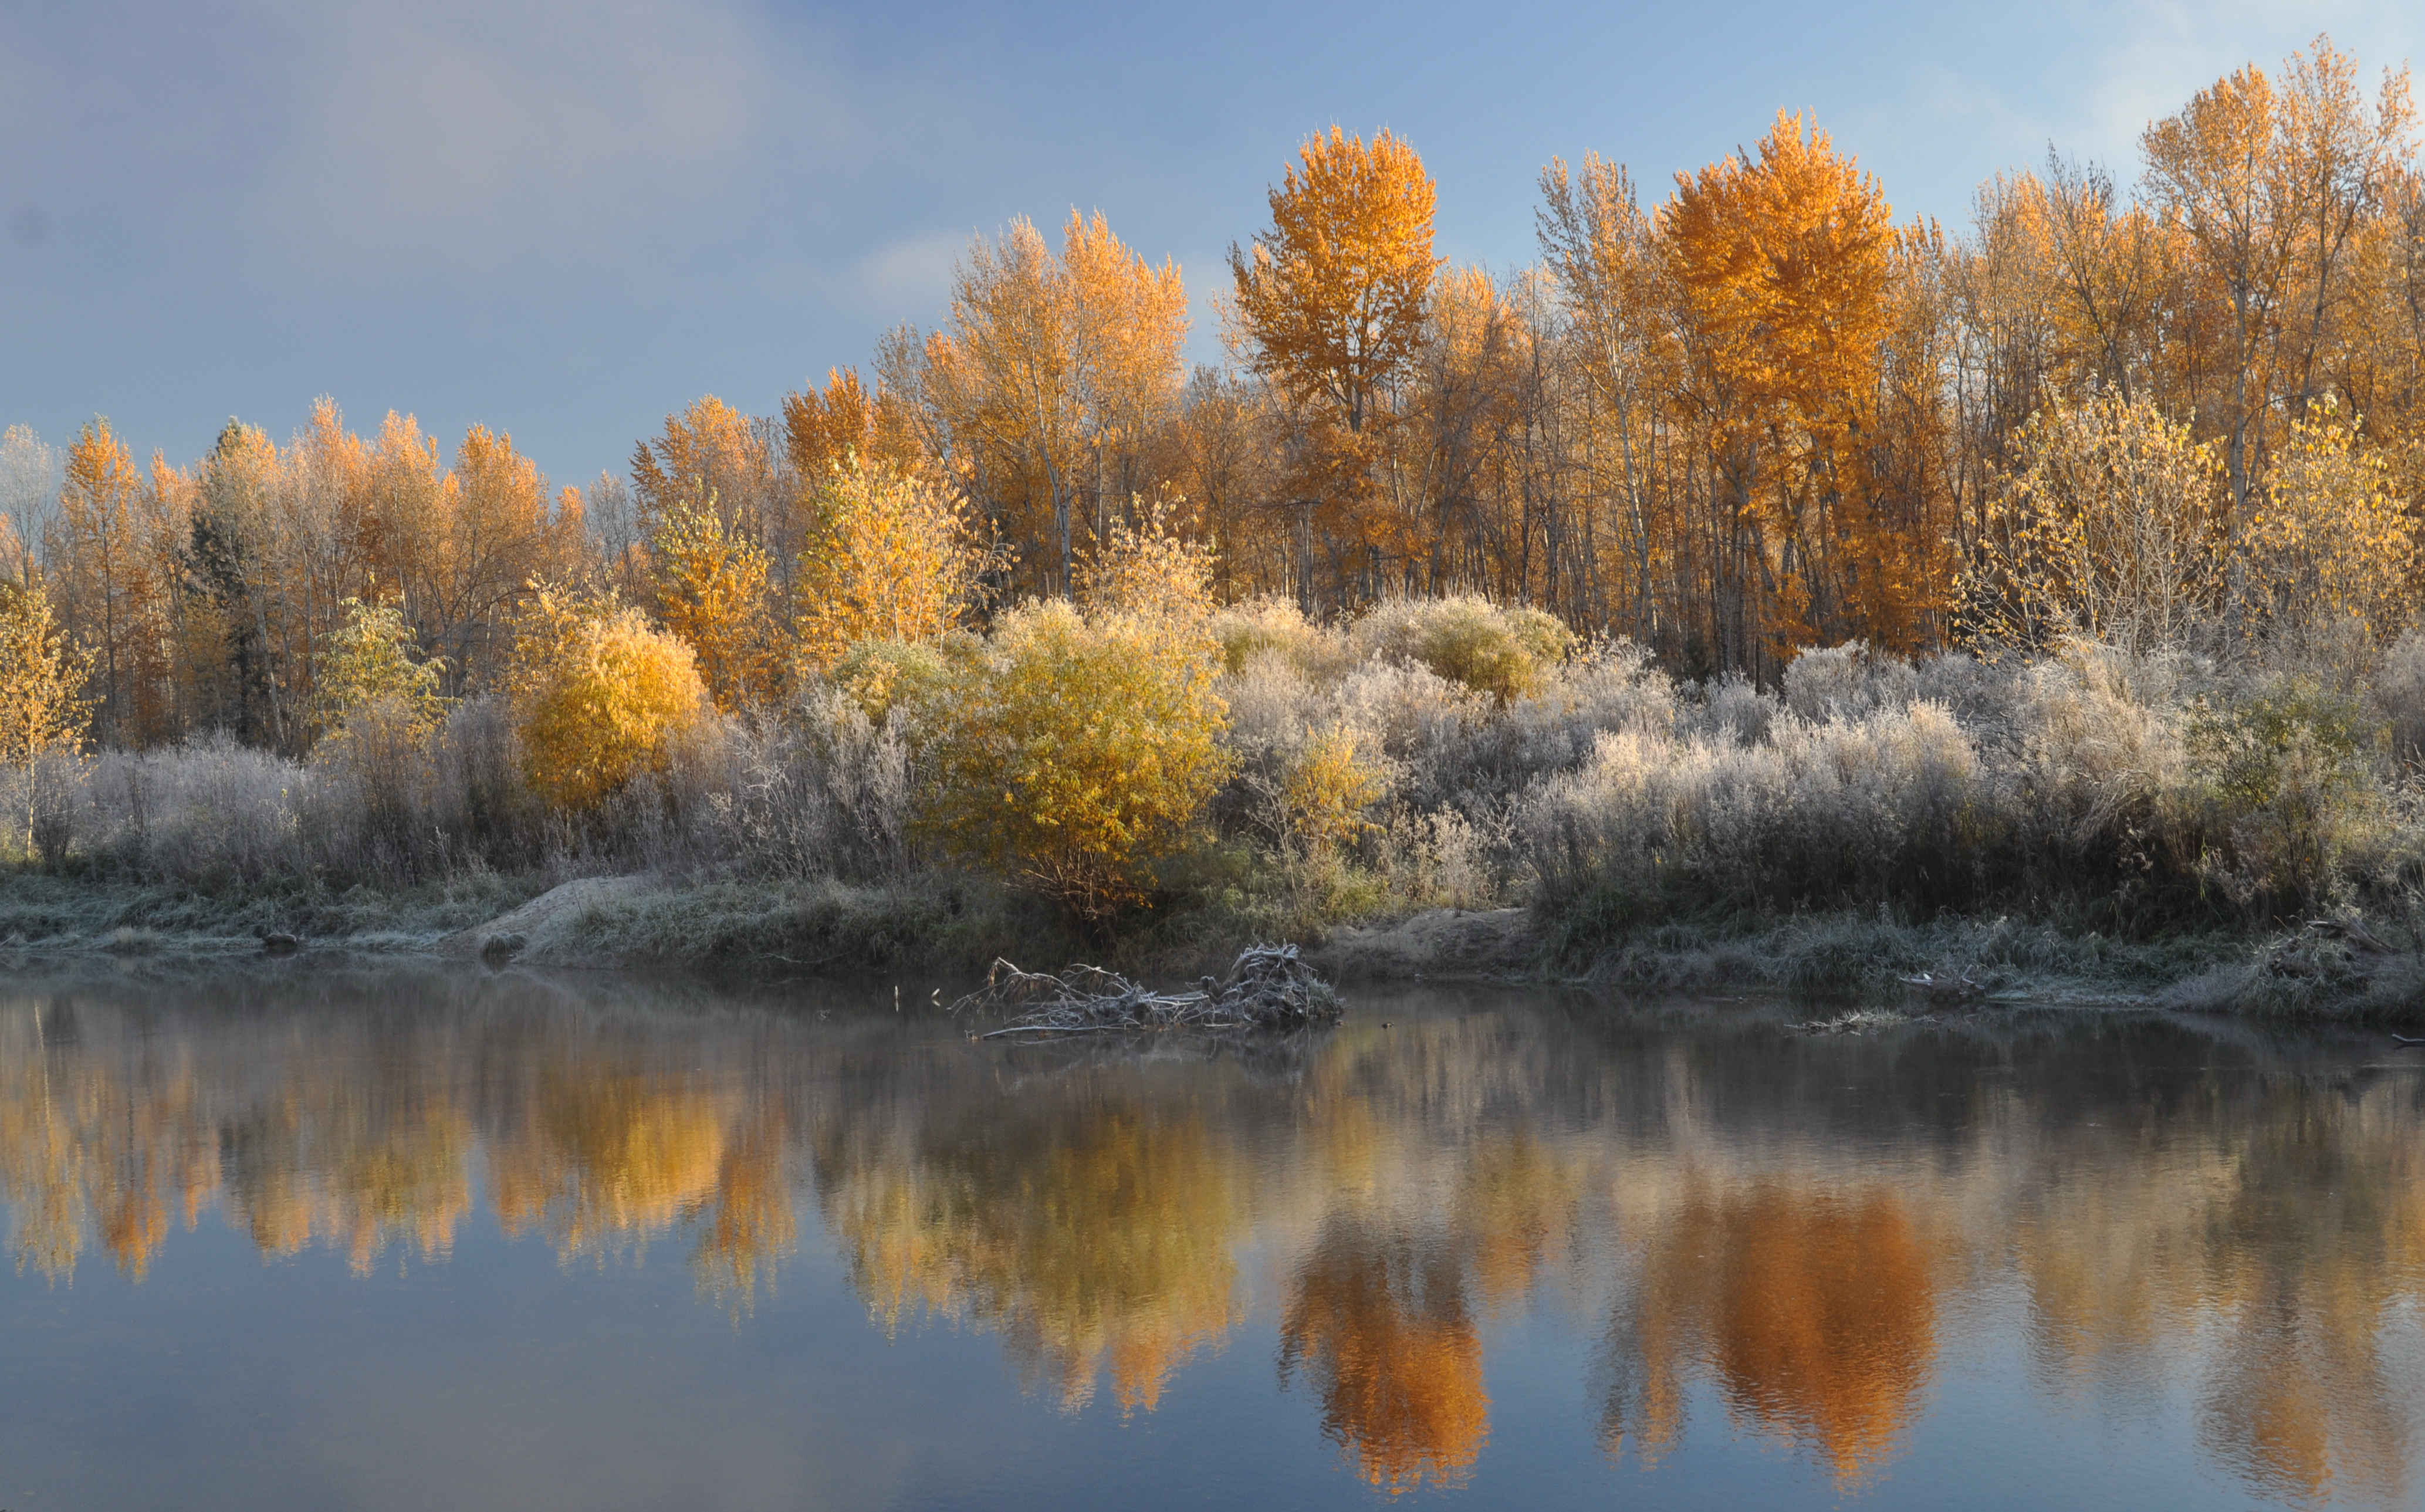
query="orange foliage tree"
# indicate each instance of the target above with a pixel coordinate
(1048, 393)
(1332, 304)
(1782, 264)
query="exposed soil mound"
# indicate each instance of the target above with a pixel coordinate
(1443, 944)
(537, 926)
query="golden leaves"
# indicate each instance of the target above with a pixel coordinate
(597, 695)
(2112, 527)
(1056, 375)
(2328, 545)
(890, 556)
(712, 592)
(1334, 296)
(1073, 753)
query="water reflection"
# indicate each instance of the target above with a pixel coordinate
(1799, 1232)
(1816, 1309)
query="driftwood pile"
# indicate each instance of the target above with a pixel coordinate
(1268, 988)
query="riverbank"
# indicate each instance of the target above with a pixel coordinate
(953, 928)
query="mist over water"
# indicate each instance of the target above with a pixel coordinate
(418, 1239)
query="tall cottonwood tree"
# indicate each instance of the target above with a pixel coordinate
(1332, 304)
(1046, 395)
(109, 587)
(1780, 261)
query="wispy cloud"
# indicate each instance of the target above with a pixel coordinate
(913, 271)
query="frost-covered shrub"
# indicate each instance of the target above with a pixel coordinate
(1821, 810)
(2399, 690)
(1272, 703)
(1731, 708)
(2095, 747)
(821, 791)
(2283, 792)
(1554, 729)
(1847, 682)
(211, 813)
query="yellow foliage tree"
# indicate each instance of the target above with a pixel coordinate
(1147, 567)
(2329, 550)
(1329, 788)
(712, 592)
(43, 711)
(1073, 752)
(598, 695)
(1334, 304)
(368, 661)
(112, 592)
(1053, 383)
(378, 706)
(2111, 528)
(824, 429)
(890, 556)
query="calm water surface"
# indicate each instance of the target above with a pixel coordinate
(457, 1241)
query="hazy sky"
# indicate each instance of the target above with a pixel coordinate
(564, 219)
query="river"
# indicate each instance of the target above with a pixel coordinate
(419, 1238)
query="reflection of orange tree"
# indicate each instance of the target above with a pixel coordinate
(2323, 1238)
(1089, 1237)
(1378, 1322)
(1818, 1311)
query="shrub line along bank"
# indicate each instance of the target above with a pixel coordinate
(2090, 817)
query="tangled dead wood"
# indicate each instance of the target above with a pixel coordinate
(1269, 987)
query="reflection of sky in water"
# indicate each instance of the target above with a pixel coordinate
(468, 1242)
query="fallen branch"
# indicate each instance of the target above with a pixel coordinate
(1269, 987)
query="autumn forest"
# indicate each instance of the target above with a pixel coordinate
(2081, 535)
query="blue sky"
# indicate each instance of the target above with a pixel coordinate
(565, 220)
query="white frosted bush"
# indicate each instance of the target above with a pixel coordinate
(1732, 708)
(1847, 682)
(1504, 751)
(1416, 719)
(822, 791)
(210, 811)
(1272, 703)
(2098, 742)
(1828, 807)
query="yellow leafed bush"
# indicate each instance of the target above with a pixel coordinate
(1149, 568)
(2109, 528)
(369, 661)
(1071, 752)
(1491, 649)
(880, 676)
(598, 694)
(43, 711)
(1329, 789)
(2331, 552)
